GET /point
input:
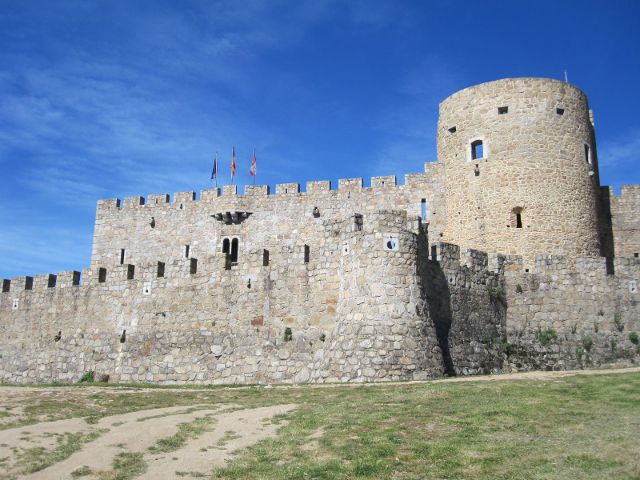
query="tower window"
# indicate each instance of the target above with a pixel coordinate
(160, 271)
(477, 150)
(265, 258)
(122, 253)
(226, 246)
(587, 154)
(502, 110)
(131, 272)
(636, 255)
(452, 129)
(193, 266)
(517, 217)
(187, 248)
(307, 253)
(423, 206)
(358, 222)
(102, 275)
(560, 111)
(234, 250)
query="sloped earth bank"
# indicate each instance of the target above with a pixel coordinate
(155, 437)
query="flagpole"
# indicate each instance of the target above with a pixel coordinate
(255, 172)
(216, 167)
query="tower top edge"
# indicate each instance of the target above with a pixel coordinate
(512, 80)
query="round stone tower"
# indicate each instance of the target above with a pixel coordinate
(520, 169)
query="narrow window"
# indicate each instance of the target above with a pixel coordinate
(225, 246)
(122, 252)
(434, 253)
(52, 280)
(358, 222)
(423, 205)
(234, 250)
(476, 170)
(306, 254)
(560, 111)
(6, 285)
(160, 272)
(502, 110)
(102, 275)
(265, 258)
(587, 153)
(131, 272)
(477, 150)
(186, 251)
(516, 217)
(452, 129)
(76, 278)
(193, 266)
(28, 283)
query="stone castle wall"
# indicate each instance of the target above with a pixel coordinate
(534, 134)
(572, 315)
(286, 218)
(353, 312)
(625, 221)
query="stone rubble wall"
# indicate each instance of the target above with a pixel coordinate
(227, 323)
(625, 221)
(572, 316)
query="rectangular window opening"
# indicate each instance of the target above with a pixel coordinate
(452, 129)
(6, 285)
(52, 280)
(477, 150)
(636, 255)
(160, 272)
(193, 266)
(102, 275)
(131, 272)
(265, 258)
(358, 221)
(502, 110)
(518, 220)
(77, 276)
(186, 251)
(423, 206)
(434, 253)
(560, 111)
(28, 283)
(122, 253)
(307, 253)
(587, 154)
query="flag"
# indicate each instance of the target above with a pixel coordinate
(233, 163)
(214, 171)
(252, 171)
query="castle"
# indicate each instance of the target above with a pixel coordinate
(506, 253)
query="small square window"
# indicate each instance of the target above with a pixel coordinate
(502, 110)
(560, 111)
(452, 129)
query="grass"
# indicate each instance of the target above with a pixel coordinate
(580, 427)
(186, 431)
(35, 459)
(126, 466)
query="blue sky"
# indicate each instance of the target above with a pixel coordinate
(102, 99)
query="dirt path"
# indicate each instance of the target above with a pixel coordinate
(136, 432)
(233, 431)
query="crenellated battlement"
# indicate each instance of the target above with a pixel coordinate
(282, 190)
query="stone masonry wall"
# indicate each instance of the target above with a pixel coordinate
(625, 221)
(222, 323)
(568, 316)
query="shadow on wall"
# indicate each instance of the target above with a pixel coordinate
(468, 308)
